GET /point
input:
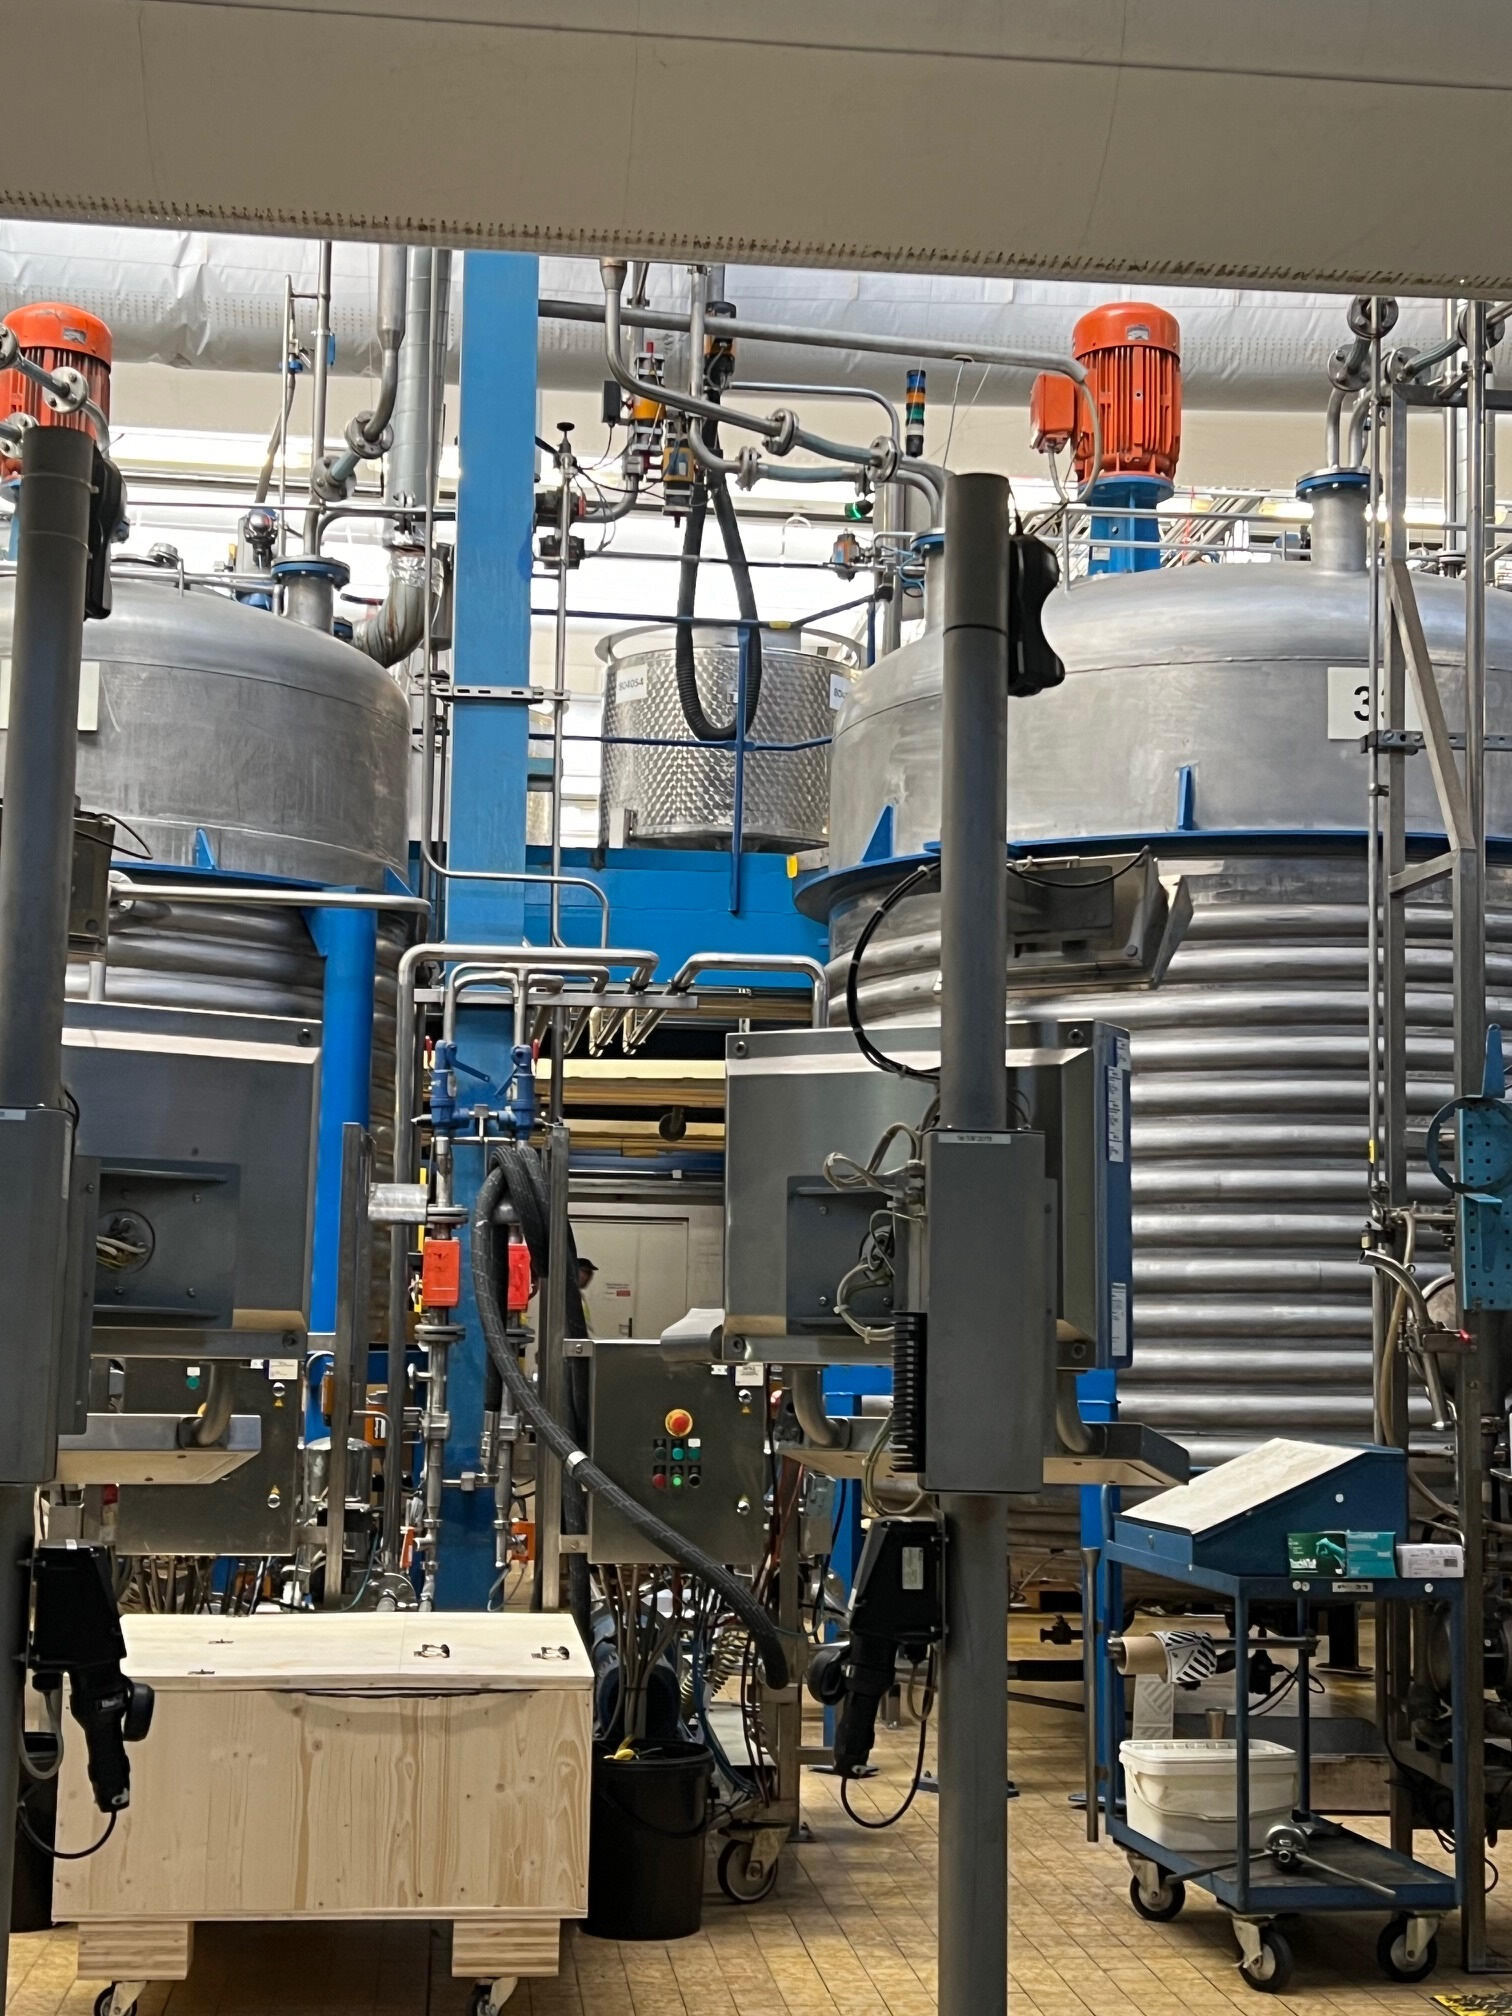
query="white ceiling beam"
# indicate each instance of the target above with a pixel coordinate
(1319, 143)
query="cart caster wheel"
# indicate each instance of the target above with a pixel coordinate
(104, 2000)
(1271, 1970)
(1163, 1904)
(736, 1879)
(489, 1997)
(1391, 1952)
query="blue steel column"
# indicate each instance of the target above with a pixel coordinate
(347, 941)
(490, 758)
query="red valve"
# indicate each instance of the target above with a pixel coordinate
(519, 1286)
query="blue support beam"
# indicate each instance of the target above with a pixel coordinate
(347, 941)
(490, 771)
(495, 504)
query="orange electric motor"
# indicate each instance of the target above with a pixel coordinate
(56, 337)
(1131, 353)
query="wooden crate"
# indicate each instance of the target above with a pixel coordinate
(371, 1766)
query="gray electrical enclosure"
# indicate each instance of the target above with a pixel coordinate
(36, 1150)
(707, 1479)
(988, 1244)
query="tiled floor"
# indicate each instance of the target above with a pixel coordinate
(849, 1932)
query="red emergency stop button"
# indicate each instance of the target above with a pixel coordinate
(679, 1421)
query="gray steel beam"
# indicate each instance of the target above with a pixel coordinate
(1469, 903)
(973, 1743)
(36, 862)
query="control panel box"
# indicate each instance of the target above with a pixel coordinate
(688, 1441)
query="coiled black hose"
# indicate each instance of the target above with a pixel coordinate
(689, 697)
(579, 1467)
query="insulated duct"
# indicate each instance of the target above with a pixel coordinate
(216, 302)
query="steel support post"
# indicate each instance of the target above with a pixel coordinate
(551, 1371)
(36, 868)
(973, 1742)
(1394, 1650)
(1469, 897)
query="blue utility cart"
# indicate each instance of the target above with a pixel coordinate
(1227, 1534)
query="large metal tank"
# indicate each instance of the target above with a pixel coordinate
(654, 795)
(220, 736)
(1201, 697)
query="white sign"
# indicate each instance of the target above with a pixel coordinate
(89, 694)
(1115, 1114)
(840, 686)
(1118, 1319)
(1349, 703)
(632, 685)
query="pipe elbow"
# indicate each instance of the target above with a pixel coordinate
(397, 626)
(819, 1426)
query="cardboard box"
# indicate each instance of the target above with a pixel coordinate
(1317, 1553)
(1370, 1556)
(1422, 1560)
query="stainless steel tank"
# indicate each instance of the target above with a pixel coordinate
(1223, 698)
(232, 738)
(654, 795)
(222, 736)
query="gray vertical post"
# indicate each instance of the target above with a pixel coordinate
(1394, 1653)
(1454, 488)
(973, 1868)
(1469, 1068)
(551, 1371)
(36, 858)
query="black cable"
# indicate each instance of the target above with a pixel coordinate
(869, 1050)
(64, 1854)
(579, 1467)
(876, 1826)
(1060, 882)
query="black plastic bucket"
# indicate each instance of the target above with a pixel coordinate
(646, 1842)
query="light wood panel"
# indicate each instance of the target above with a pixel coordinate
(490, 1946)
(136, 1949)
(370, 1649)
(267, 1804)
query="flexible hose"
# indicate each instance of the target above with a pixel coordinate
(580, 1468)
(524, 1182)
(688, 695)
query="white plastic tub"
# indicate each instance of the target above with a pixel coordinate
(1185, 1794)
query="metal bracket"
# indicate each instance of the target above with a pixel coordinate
(1251, 1946)
(1447, 782)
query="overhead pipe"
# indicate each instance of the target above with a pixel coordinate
(367, 434)
(398, 626)
(996, 356)
(781, 429)
(320, 371)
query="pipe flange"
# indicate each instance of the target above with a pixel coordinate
(10, 348)
(68, 392)
(747, 467)
(783, 442)
(325, 483)
(363, 442)
(886, 456)
(1361, 322)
